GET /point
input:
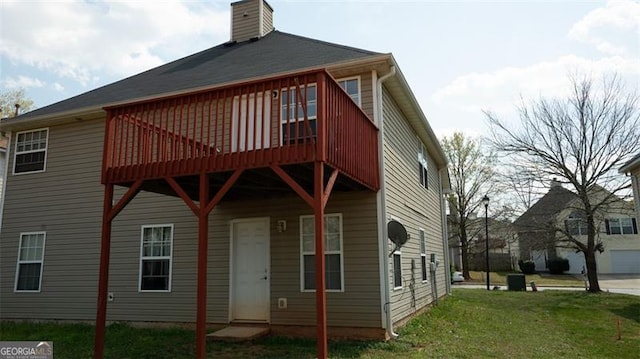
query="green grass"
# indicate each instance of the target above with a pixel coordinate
(469, 324)
(541, 280)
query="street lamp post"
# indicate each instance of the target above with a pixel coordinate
(485, 201)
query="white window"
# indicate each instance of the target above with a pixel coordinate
(294, 127)
(397, 269)
(155, 258)
(31, 151)
(621, 226)
(423, 255)
(30, 261)
(352, 87)
(333, 272)
(423, 166)
(576, 225)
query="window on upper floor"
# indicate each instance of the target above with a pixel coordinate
(31, 151)
(30, 261)
(352, 86)
(155, 258)
(333, 271)
(292, 116)
(576, 225)
(423, 165)
(621, 226)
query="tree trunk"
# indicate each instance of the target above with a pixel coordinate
(464, 249)
(592, 271)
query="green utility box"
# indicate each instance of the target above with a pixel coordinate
(516, 282)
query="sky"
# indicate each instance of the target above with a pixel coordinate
(459, 57)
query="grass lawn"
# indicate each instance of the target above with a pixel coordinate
(472, 323)
(541, 280)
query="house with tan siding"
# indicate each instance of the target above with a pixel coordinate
(632, 169)
(200, 192)
(558, 214)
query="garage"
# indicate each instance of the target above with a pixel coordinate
(625, 261)
(576, 262)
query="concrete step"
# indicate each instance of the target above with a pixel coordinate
(238, 334)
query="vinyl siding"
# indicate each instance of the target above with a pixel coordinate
(415, 207)
(66, 202)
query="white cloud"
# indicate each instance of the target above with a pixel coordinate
(597, 26)
(22, 82)
(58, 87)
(499, 90)
(85, 40)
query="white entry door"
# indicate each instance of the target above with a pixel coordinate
(250, 270)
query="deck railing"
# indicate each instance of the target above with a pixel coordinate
(285, 120)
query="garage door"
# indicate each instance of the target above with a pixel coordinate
(625, 261)
(576, 262)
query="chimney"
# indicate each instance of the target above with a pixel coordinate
(250, 19)
(555, 183)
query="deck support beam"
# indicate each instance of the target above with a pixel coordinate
(109, 212)
(202, 210)
(318, 203)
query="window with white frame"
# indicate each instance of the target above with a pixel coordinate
(352, 87)
(621, 226)
(423, 255)
(292, 116)
(333, 255)
(397, 269)
(31, 151)
(423, 165)
(576, 224)
(30, 261)
(156, 249)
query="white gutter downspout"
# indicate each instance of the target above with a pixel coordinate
(445, 235)
(382, 210)
(4, 178)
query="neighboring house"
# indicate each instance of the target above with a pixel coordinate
(559, 208)
(255, 137)
(503, 245)
(632, 168)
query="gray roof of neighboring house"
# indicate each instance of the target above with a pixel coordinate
(632, 163)
(277, 52)
(546, 209)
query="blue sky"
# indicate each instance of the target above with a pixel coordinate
(459, 57)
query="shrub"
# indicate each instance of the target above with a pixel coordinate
(527, 267)
(558, 265)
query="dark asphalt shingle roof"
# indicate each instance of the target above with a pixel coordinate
(274, 53)
(546, 209)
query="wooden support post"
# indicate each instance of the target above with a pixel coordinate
(109, 212)
(203, 234)
(321, 299)
(103, 280)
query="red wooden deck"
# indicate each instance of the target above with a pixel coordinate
(296, 119)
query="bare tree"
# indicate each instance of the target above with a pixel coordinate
(471, 172)
(14, 102)
(581, 141)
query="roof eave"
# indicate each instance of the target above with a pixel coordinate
(418, 117)
(631, 165)
(93, 111)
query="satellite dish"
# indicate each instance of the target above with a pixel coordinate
(397, 234)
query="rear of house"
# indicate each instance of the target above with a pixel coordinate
(262, 126)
